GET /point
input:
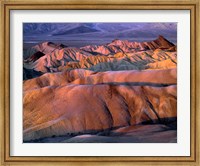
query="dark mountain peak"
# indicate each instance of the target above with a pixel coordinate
(118, 41)
(34, 57)
(115, 40)
(161, 37)
(51, 44)
(163, 42)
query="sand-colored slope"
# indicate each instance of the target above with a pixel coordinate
(81, 108)
(95, 107)
(165, 64)
(81, 76)
(164, 77)
(55, 79)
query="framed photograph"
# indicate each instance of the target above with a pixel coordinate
(104, 82)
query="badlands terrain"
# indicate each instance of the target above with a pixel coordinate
(121, 91)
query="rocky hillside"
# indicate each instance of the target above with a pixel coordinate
(117, 92)
(118, 55)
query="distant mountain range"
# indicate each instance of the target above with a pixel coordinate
(98, 31)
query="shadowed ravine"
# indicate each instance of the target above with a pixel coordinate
(138, 134)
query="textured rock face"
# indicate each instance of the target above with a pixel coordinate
(117, 88)
(126, 46)
(118, 55)
(164, 77)
(93, 106)
(100, 107)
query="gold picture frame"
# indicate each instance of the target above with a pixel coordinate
(7, 5)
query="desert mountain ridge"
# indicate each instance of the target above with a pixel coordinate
(117, 55)
(121, 91)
